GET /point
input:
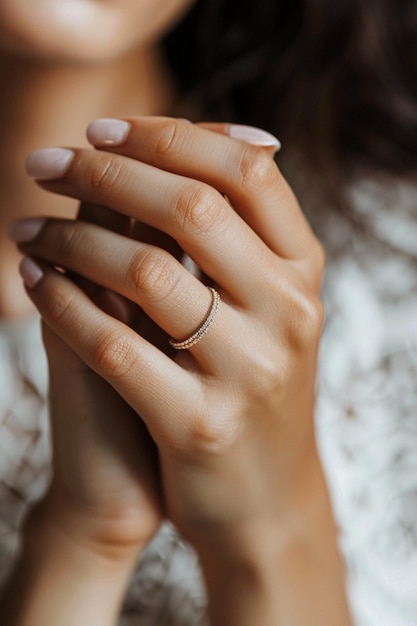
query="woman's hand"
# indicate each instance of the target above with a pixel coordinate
(105, 491)
(232, 417)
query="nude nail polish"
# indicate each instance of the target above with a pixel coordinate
(48, 163)
(30, 272)
(107, 132)
(254, 136)
(25, 230)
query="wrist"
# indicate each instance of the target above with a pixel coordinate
(53, 518)
(282, 570)
(303, 515)
(62, 579)
(276, 578)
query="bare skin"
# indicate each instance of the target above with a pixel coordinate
(232, 420)
(46, 105)
(253, 434)
(44, 102)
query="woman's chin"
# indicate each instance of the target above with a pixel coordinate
(86, 31)
(61, 31)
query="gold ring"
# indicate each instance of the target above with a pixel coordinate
(201, 330)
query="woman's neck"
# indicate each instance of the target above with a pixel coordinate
(45, 105)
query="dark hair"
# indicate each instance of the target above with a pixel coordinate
(336, 78)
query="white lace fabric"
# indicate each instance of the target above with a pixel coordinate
(366, 424)
(24, 431)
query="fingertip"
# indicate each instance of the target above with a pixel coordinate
(254, 136)
(48, 163)
(31, 272)
(249, 134)
(107, 132)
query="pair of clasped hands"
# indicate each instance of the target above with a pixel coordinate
(218, 438)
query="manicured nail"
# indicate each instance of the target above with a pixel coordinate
(48, 163)
(107, 132)
(254, 136)
(30, 272)
(25, 230)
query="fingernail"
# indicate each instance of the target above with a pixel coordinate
(48, 163)
(25, 230)
(254, 136)
(30, 272)
(108, 132)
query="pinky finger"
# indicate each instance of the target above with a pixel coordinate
(155, 386)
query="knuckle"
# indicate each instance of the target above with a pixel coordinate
(268, 371)
(256, 170)
(198, 208)
(267, 367)
(213, 435)
(319, 258)
(57, 308)
(306, 317)
(113, 354)
(65, 238)
(105, 172)
(152, 273)
(168, 142)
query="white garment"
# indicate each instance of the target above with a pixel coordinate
(366, 424)
(367, 401)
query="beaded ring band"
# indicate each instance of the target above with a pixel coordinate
(202, 330)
